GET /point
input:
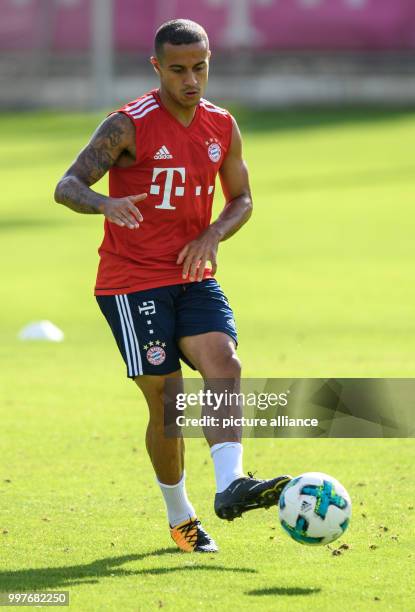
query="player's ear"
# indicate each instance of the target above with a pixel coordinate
(154, 61)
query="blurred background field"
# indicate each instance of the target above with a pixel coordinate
(320, 280)
(267, 53)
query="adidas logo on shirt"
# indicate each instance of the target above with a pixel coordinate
(163, 153)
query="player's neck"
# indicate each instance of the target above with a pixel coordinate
(182, 114)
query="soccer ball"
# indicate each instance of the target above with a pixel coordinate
(314, 509)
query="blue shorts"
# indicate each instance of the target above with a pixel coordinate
(147, 325)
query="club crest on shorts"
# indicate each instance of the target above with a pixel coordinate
(214, 150)
(156, 355)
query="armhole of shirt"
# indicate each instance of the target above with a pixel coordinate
(229, 117)
(230, 131)
(126, 113)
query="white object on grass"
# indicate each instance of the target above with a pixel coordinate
(41, 330)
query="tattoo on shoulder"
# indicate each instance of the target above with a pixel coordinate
(115, 129)
(111, 138)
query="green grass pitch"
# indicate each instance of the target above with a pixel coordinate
(321, 281)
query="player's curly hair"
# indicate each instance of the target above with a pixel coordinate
(179, 32)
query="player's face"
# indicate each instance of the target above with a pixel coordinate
(183, 72)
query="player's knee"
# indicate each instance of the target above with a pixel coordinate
(227, 365)
(152, 387)
(234, 365)
(156, 423)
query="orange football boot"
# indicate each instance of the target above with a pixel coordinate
(191, 537)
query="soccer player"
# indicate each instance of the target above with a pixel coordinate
(155, 286)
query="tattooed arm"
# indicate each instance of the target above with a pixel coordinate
(113, 139)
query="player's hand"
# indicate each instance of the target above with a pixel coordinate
(123, 211)
(197, 253)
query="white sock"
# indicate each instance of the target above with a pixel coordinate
(227, 459)
(179, 508)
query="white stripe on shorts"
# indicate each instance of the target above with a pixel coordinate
(130, 370)
(137, 346)
(130, 330)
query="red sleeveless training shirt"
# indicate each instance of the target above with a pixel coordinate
(177, 167)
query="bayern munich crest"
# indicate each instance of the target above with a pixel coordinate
(214, 150)
(156, 355)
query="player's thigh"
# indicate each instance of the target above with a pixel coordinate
(143, 325)
(206, 330)
(213, 354)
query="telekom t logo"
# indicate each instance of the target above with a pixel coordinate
(179, 190)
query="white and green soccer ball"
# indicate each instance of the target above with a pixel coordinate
(314, 509)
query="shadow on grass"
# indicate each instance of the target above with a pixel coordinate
(58, 126)
(284, 591)
(16, 223)
(250, 120)
(45, 578)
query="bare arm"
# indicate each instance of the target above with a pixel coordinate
(113, 138)
(235, 185)
(238, 209)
